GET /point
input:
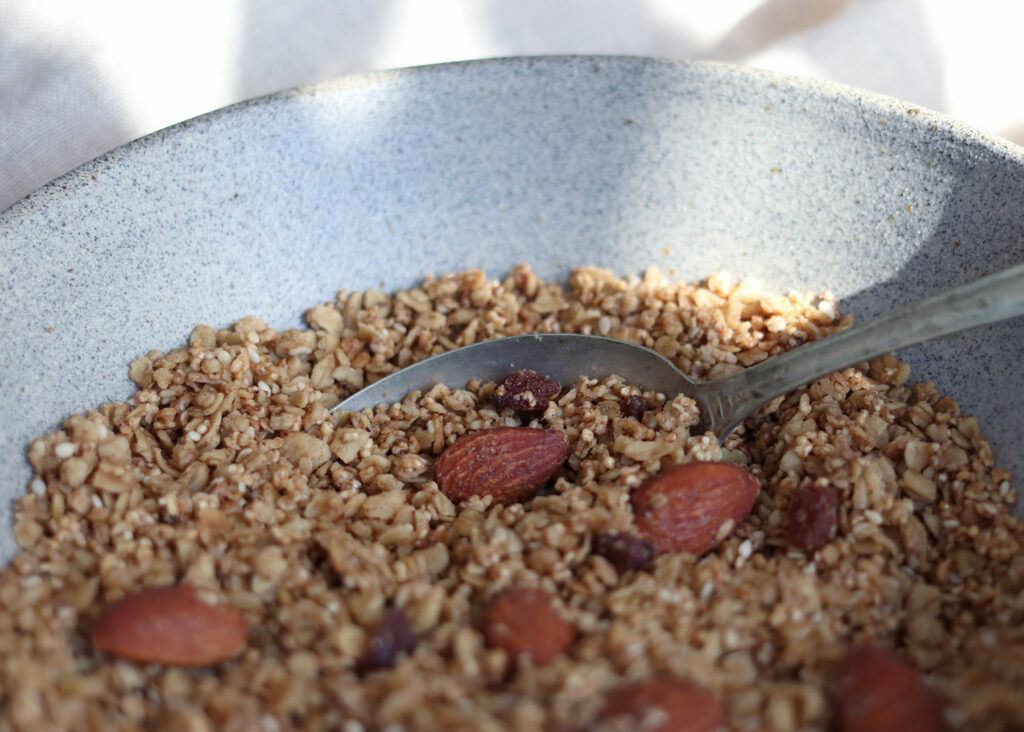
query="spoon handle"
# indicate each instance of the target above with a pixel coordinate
(990, 299)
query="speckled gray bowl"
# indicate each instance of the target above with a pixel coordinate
(273, 205)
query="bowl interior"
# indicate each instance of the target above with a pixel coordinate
(272, 206)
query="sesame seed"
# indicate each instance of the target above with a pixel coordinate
(64, 450)
(706, 591)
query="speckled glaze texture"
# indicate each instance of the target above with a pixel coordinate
(271, 206)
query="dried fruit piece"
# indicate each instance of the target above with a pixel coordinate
(508, 463)
(811, 518)
(525, 391)
(665, 705)
(625, 552)
(694, 506)
(176, 625)
(634, 406)
(880, 692)
(524, 620)
(392, 637)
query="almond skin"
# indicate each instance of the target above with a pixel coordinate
(523, 620)
(681, 705)
(688, 508)
(172, 625)
(879, 691)
(508, 463)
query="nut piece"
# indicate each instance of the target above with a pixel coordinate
(525, 391)
(694, 506)
(665, 705)
(811, 518)
(508, 463)
(625, 552)
(880, 692)
(524, 620)
(392, 637)
(174, 625)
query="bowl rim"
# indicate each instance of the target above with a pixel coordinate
(69, 182)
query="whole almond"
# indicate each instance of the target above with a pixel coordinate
(666, 705)
(878, 691)
(174, 625)
(694, 506)
(508, 463)
(523, 620)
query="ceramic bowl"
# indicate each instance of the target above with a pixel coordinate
(271, 206)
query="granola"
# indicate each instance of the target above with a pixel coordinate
(226, 470)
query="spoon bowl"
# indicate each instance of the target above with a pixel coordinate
(564, 357)
(724, 402)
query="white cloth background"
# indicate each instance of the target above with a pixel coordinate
(79, 78)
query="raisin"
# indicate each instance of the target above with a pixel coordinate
(811, 518)
(392, 637)
(634, 406)
(525, 391)
(624, 551)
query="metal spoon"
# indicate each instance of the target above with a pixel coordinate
(723, 402)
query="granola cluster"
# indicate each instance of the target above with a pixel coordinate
(227, 471)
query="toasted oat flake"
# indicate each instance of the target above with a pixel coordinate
(227, 470)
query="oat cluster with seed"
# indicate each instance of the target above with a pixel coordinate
(365, 588)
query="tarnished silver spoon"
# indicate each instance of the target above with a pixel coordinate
(723, 402)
